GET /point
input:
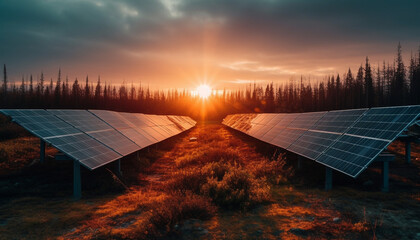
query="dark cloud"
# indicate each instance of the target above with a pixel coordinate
(169, 42)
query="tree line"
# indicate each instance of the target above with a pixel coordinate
(385, 85)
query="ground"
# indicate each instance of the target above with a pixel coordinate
(225, 185)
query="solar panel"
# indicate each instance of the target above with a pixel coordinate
(139, 125)
(367, 138)
(347, 140)
(180, 124)
(279, 127)
(338, 121)
(311, 143)
(89, 152)
(272, 118)
(117, 121)
(69, 140)
(98, 129)
(351, 155)
(384, 123)
(96, 137)
(41, 123)
(324, 132)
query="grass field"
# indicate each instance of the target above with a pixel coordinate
(223, 186)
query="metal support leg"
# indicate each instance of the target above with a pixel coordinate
(385, 176)
(408, 152)
(328, 178)
(118, 167)
(299, 162)
(42, 152)
(77, 181)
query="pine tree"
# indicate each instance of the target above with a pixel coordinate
(411, 78)
(22, 87)
(75, 92)
(348, 90)
(57, 91)
(87, 91)
(369, 90)
(358, 89)
(133, 92)
(98, 89)
(338, 104)
(31, 86)
(397, 85)
(379, 88)
(41, 83)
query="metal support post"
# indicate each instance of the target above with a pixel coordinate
(42, 152)
(385, 176)
(118, 167)
(408, 152)
(328, 178)
(77, 180)
(299, 162)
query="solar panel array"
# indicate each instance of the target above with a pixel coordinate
(97, 137)
(346, 140)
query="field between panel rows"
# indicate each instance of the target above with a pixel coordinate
(225, 185)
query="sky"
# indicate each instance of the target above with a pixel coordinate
(184, 43)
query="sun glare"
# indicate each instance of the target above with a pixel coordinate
(204, 91)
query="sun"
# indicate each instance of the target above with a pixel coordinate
(204, 91)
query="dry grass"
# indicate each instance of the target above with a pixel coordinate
(222, 180)
(187, 182)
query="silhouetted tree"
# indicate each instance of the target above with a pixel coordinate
(397, 85)
(369, 91)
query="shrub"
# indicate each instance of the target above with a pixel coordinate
(188, 160)
(172, 210)
(222, 154)
(216, 170)
(275, 170)
(186, 180)
(238, 188)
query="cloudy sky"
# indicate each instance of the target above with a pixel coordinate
(182, 43)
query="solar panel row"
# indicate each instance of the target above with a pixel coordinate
(346, 140)
(97, 137)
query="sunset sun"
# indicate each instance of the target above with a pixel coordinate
(204, 91)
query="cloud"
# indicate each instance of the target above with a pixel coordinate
(169, 42)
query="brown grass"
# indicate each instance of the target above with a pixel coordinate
(222, 180)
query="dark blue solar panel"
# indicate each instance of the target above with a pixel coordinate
(351, 154)
(383, 123)
(311, 144)
(346, 140)
(98, 129)
(338, 121)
